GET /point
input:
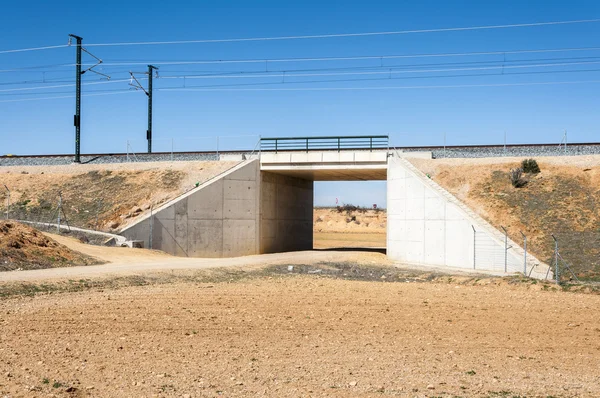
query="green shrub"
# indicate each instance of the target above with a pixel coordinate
(530, 166)
(516, 178)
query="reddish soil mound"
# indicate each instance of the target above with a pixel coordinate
(22, 247)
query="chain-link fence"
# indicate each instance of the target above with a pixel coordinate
(570, 256)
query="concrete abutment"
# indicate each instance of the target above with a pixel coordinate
(257, 208)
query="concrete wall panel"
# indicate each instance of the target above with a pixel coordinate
(239, 238)
(286, 213)
(207, 204)
(219, 218)
(427, 225)
(207, 236)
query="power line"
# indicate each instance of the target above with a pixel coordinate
(337, 80)
(322, 36)
(284, 74)
(62, 85)
(337, 35)
(20, 50)
(68, 96)
(351, 58)
(31, 69)
(328, 89)
(387, 87)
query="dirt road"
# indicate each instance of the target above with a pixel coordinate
(125, 261)
(291, 336)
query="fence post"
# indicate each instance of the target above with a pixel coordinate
(505, 249)
(556, 272)
(172, 148)
(7, 202)
(127, 151)
(525, 256)
(58, 212)
(444, 144)
(307, 145)
(217, 147)
(474, 247)
(151, 226)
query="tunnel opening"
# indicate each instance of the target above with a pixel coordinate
(350, 216)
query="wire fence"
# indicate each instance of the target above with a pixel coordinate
(571, 256)
(210, 144)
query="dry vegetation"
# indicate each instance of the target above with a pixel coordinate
(563, 199)
(22, 247)
(100, 196)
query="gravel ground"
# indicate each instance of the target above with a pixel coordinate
(499, 151)
(104, 159)
(450, 152)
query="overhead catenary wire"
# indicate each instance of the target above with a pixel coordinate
(340, 35)
(351, 58)
(64, 85)
(69, 96)
(320, 36)
(32, 69)
(284, 74)
(386, 87)
(338, 80)
(326, 89)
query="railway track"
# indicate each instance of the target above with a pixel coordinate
(547, 149)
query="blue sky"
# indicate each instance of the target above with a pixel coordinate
(192, 119)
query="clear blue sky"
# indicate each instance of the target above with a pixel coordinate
(410, 116)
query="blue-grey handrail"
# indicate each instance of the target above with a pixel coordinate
(369, 142)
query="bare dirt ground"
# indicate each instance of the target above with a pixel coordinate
(561, 200)
(23, 247)
(290, 335)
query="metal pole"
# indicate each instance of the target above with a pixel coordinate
(505, 249)
(7, 202)
(565, 142)
(525, 257)
(444, 144)
(149, 94)
(77, 118)
(151, 226)
(127, 151)
(474, 247)
(217, 147)
(556, 272)
(504, 143)
(59, 209)
(172, 148)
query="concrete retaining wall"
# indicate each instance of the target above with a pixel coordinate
(286, 213)
(429, 226)
(220, 218)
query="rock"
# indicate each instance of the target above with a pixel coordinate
(353, 384)
(430, 387)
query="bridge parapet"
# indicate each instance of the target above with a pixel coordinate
(339, 143)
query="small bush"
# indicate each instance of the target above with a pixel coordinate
(530, 166)
(516, 178)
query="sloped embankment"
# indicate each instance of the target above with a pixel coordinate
(103, 197)
(562, 200)
(22, 247)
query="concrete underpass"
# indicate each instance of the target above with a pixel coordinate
(265, 205)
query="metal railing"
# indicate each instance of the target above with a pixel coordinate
(338, 143)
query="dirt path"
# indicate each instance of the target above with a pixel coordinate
(297, 336)
(125, 261)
